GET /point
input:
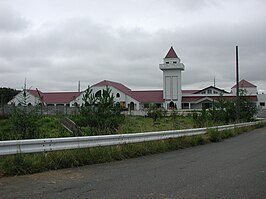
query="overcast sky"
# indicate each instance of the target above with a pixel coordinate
(56, 43)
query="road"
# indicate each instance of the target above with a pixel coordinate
(234, 168)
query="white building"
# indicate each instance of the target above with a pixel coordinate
(170, 97)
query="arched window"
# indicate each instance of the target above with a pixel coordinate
(98, 93)
(29, 104)
(19, 104)
(171, 104)
(131, 105)
(117, 94)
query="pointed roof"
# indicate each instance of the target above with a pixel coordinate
(213, 87)
(245, 84)
(116, 85)
(171, 53)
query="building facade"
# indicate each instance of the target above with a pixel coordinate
(170, 97)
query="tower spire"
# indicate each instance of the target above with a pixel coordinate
(171, 53)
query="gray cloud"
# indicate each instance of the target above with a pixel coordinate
(11, 21)
(56, 54)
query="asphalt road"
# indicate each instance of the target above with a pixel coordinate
(235, 168)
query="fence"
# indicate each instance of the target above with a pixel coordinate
(45, 110)
(56, 144)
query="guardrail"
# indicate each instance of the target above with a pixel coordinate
(56, 144)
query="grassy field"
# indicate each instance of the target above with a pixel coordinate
(21, 164)
(145, 124)
(50, 126)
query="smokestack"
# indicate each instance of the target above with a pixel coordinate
(78, 86)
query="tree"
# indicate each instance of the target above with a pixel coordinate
(155, 113)
(24, 120)
(7, 94)
(224, 111)
(100, 112)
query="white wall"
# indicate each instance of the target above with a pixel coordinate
(261, 99)
(30, 99)
(123, 97)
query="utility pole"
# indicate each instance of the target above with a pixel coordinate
(78, 86)
(237, 88)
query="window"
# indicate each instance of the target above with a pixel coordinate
(209, 91)
(206, 105)
(117, 95)
(146, 105)
(185, 105)
(203, 92)
(98, 93)
(262, 103)
(174, 62)
(215, 92)
(167, 62)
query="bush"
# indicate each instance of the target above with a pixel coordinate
(100, 113)
(24, 123)
(214, 136)
(155, 113)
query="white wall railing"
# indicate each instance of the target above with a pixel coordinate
(56, 144)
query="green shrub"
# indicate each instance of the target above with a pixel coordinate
(100, 112)
(214, 135)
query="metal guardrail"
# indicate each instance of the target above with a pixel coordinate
(56, 144)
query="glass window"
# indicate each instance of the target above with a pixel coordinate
(98, 93)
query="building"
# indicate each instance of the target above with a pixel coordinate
(170, 97)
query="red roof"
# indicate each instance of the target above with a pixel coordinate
(55, 97)
(141, 96)
(245, 84)
(148, 96)
(59, 97)
(116, 85)
(171, 53)
(34, 92)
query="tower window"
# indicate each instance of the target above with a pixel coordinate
(117, 95)
(167, 62)
(174, 62)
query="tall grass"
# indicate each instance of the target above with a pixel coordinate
(31, 163)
